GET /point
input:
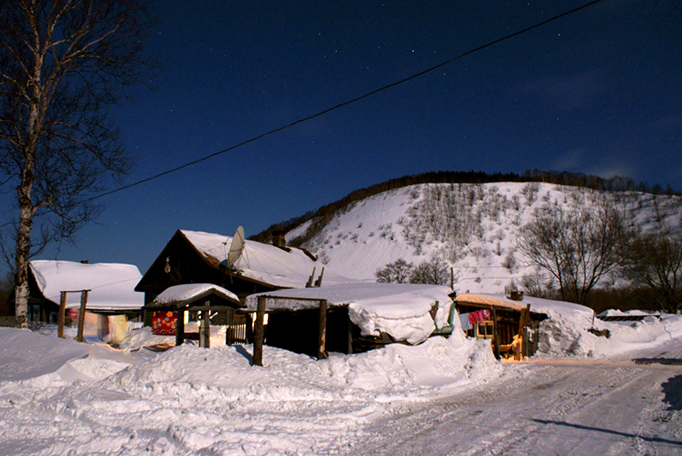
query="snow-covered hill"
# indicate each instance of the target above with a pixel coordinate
(471, 227)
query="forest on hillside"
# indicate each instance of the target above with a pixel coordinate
(324, 214)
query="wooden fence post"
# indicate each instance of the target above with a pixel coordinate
(205, 328)
(322, 334)
(259, 330)
(62, 315)
(81, 316)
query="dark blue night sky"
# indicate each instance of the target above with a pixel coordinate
(598, 92)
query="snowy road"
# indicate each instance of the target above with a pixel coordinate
(553, 407)
(445, 396)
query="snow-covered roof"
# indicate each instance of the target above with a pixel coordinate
(189, 293)
(264, 263)
(489, 300)
(400, 310)
(111, 285)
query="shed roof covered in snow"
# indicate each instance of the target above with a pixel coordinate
(181, 295)
(482, 300)
(400, 310)
(111, 285)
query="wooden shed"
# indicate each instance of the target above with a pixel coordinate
(203, 298)
(353, 317)
(508, 323)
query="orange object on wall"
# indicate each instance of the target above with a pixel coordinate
(163, 323)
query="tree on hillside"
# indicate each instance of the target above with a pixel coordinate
(62, 62)
(433, 271)
(575, 248)
(396, 272)
(655, 261)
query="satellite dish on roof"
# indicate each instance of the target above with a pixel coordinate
(237, 246)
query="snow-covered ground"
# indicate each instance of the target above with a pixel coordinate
(583, 394)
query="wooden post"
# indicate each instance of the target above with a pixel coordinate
(322, 334)
(180, 328)
(62, 315)
(259, 333)
(496, 335)
(523, 322)
(205, 328)
(81, 316)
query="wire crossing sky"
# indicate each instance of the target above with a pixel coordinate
(341, 105)
(596, 91)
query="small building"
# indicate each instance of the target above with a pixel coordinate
(177, 300)
(358, 316)
(110, 292)
(508, 323)
(256, 267)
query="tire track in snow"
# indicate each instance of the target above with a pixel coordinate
(586, 408)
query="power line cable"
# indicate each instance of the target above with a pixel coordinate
(345, 103)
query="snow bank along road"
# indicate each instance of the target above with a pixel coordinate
(552, 407)
(445, 396)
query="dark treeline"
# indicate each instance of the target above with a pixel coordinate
(324, 214)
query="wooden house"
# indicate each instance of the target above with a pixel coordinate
(199, 257)
(508, 323)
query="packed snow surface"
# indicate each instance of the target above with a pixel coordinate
(111, 286)
(398, 309)
(611, 396)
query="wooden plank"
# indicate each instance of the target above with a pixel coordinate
(322, 333)
(81, 316)
(62, 315)
(259, 333)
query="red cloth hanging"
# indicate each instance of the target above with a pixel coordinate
(163, 323)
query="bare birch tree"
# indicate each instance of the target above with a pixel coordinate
(62, 63)
(655, 262)
(576, 248)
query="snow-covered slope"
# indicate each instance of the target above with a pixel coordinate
(472, 227)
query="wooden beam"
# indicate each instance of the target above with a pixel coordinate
(523, 322)
(62, 315)
(180, 328)
(496, 334)
(259, 333)
(81, 316)
(322, 333)
(205, 327)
